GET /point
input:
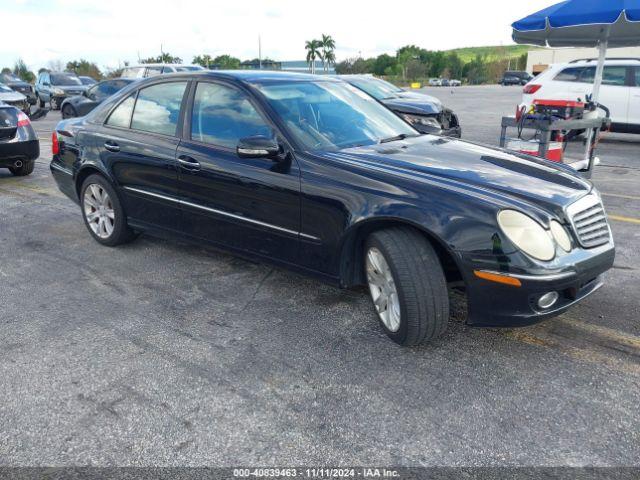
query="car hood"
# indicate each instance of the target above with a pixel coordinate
(11, 96)
(481, 168)
(72, 88)
(417, 103)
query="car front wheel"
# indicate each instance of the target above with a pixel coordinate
(407, 285)
(103, 214)
(54, 104)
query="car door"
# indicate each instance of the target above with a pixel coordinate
(614, 91)
(634, 101)
(251, 205)
(44, 89)
(138, 145)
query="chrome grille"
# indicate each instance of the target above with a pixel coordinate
(589, 221)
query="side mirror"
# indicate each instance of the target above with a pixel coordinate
(258, 146)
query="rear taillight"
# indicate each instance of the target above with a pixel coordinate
(531, 89)
(23, 120)
(55, 146)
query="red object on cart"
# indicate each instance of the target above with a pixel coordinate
(531, 147)
(565, 109)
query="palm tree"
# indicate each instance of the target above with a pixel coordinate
(313, 51)
(328, 45)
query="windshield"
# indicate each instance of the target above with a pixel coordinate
(87, 80)
(65, 80)
(378, 89)
(9, 77)
(333, 115)
(189, 68)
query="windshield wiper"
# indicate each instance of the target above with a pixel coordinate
(402, 136)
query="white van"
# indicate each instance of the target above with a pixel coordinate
(620, 91)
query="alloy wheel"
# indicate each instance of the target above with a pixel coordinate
(98, 210)
(383, 289)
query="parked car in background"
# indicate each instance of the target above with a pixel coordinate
(88, 81)
(455, 83)
(54, 87)
(313, 174)
(511, 77)
(16, 83)
(80, 105)
(13, 98)
(19, 144)
(424, 112)
(620, 90)
(444, 82)
(153, 69)
(435, 82)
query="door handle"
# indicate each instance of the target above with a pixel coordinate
(188, 163)
(112, 146)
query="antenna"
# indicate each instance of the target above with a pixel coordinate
(259, 52)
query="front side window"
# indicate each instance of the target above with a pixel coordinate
(326, 115)
(158, 108)
(121, 116)
(223, 115)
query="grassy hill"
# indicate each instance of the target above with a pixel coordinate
(492, 53)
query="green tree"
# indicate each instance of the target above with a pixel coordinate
(328, 45)
(454, 65)
(204, 60)
(227, 62)
(522, 61)
(313, 48)
(165, 57)
(21, 70)
(382, 63)
(84, 67)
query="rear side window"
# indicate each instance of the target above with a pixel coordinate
(571, 74)
(158, 108)
(637, 76)
(121, 116)
(223, 115)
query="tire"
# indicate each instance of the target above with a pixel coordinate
(418, 278)
(113, 231)
(54, 104)
(26, 168)
(40, 102)
(68, 112)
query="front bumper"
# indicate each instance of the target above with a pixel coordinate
(494, 304)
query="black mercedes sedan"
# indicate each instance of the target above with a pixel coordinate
(313, 174)
(19, 144)
(424, 112)
(80, 105)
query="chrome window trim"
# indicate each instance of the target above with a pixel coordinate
(222, 213)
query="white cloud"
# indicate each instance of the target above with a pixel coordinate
(113, 31)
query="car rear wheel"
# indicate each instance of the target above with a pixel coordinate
(103, 214)
(23, 170)
(54, 104)
(68, 112)
(407, 285)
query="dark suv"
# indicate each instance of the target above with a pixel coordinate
(54, 87)
(16, 83)
(515, 78)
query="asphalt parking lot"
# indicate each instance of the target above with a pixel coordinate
(161, 353)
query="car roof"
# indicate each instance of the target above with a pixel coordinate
(256, 75)
(593, 62)
(142, 65)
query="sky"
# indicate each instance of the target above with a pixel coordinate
(110, 32)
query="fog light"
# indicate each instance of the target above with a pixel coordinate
(548, 299)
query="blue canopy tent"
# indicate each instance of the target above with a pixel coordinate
(583, 23)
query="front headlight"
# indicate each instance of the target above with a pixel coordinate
(421, 120)
(560, 235)
(527, 234)
(58, 91)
